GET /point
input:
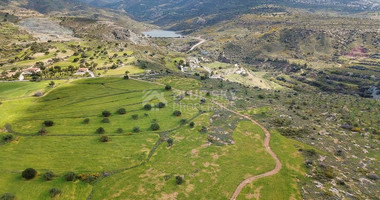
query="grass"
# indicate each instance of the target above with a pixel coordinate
(283, 185)
(203, 167)
(181, 83)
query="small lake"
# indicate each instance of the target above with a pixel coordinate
(162, 34)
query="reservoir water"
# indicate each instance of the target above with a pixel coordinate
(162, 34)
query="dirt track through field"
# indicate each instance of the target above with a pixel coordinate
(267, 148)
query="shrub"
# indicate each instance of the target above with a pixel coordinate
(100, 130)
(178, 180)
(136, 129)
(48, 123)
(54, 192)
(8, 138)
(120, 130)
(106, 113)
(48, 176)
(29, 173)
(122, 111)
(42, 131)
(161, 105)
(147, 107)
(155, 127)
(105, 120)
(7, 196)
(192, 124)
(177, 113)
(69, 176)
(104, 138)
(203, 129)
(135, 116)
(183, 121)
(86, 121)
(170, 142)
(168, 87)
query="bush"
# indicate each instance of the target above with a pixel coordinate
(177, 113)
(7, 196)
(106, 120)
(69, 176)
(54, 192)
(100, 130)
(183, 121)
(136, 129)
(192, 124)
(8, 138)
(120, 130)
(106, 113)
(86, 121)
(48, 123)
(135, 116)
(148, 107)
(178, 180)
(29, 173)
(168, 87)
(122, 111)
(48, 176)
(42, 131)
(104, 138)
(155, 127)
(203, 129)
(161, 105)
(170, 142)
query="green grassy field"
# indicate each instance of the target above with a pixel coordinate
(140, 165)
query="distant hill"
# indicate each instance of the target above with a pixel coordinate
(167, 12)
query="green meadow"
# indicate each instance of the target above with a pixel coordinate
(132, 165)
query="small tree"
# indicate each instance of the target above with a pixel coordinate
(106, 113)
(168, 87)
(147, 107)
(29, 173)
(122, 111)
(100, 130)
(42, 131)
(183, 121)
(8, 138)
(136, 129)
(7, 196)
(161, 105)
(54, 192)
(120, 130)
(178, 180)
(48, 176)
(69, 176)
(135, 116)
(48, 123)
(104, 138)
(51, 84)
(170, 142)
(192, 124)
(105, 120)
(177, 113)
(155, 127)
(86, 121)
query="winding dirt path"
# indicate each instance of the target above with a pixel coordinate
(267, 148)
(266, 145)
(201, 41)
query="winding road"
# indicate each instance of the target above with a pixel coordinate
(267, 148)
(201, 41)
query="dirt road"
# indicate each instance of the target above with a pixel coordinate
(267, 148)
(201, 41)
